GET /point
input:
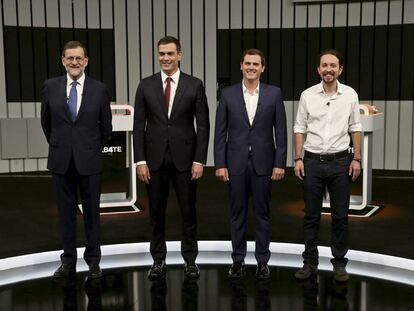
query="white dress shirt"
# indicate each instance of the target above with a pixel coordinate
(326, 120)
(79, 89)
(174, 82)
(251, 100)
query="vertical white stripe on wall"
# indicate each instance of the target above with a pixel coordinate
(275, 9)
(367, 13)
(354, 13)
(3, 100)
(290, 112)
(172, 18)
(327, 15)
(211, 70)
(391, 133)
(24, 13)
(120, 54)
(147, 48)
(396, 11)
(106, 13)
(133, 48)
(408, 12)
(287, 14)
(261, 14)
(378, 140)
(314, 15)
(381, 13)
(300, 16)
(93, 14)
(222, 14)
(52, 13)
(406, 135)
(9, 7)
(248, 14)
(159, 27)
(340, 14)
(66, 14)
(38, 10)
(198, 39)
(185, 35)
(235, 14)
(79, 13)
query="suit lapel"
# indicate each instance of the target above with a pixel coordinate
(178, 94)
(84, 100)
(260, 102)
(62, 91)
(242, 103)
(159, 90)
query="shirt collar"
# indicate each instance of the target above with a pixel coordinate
(340, 88)
(174, 77)
(81, 80)
(245, 90)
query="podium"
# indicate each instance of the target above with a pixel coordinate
(122, 126)
(360, 205)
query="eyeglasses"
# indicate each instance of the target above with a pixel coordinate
(78, 59)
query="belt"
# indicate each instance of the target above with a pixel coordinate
(325, 157)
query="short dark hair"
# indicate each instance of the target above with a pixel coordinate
(254, 52)
(334, 53)
(73, 45)
(168, 40)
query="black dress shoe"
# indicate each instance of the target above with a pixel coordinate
(95, 271)
(65, 270)
(236, 270)
(157, 270)
(262, 271)
(191, 271)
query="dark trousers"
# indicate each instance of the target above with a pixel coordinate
(66, 188)
(185, 189)
(241, 188)
(333, 175)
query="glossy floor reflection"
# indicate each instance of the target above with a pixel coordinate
(129, 289)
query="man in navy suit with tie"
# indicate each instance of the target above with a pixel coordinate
(250, 146)
(76, 119)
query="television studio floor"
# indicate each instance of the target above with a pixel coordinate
(29, 225)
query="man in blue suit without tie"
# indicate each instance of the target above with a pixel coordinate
(76, 119)
(250, 147)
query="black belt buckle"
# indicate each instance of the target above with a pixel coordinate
(326, 157)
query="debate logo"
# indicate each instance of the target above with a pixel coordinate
(112, 149)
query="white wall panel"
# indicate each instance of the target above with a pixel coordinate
(287, 14)
(368, 13)
(248, 14)
(24, 15)
(3, 101)
(391, 133)
(133, 48)
(381, 13)
(147, 48)
(340, 14)
(235, 14)
(79, 13)
(93, 14)
(38, 10)
(261, 14)
(396, 15)
(120, 54)
(314, 15)
(275, 8)
(301, 18)
(198, 39)
(159, 27)
(223, 14)
(354, 13)
(185, 35)
(107, 21)
(408, 12)
(66, 16)
(378, 140)
(405, 137)
(327, 15)
(172, 17)
(10, 17)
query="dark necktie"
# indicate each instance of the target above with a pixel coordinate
(73, 101)
(167, 93)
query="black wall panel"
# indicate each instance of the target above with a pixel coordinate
(379, 61)
(33, 55)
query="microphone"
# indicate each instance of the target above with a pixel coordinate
(328, 103)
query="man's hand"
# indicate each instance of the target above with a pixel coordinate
(143, 173)
(299, 169)
(278, 173)
(196, 171)
(222, 174)
(354, 169)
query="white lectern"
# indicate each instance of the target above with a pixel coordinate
(360, 204)
(122, 121)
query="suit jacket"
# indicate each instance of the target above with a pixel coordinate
(82, 139)
(266, 137)
(153, 130)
